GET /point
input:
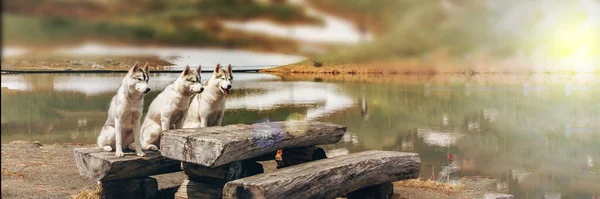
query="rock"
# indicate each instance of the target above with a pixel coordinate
(497, 196)
(33, 144)
(97, 66)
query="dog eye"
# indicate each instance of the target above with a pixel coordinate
(139, 79)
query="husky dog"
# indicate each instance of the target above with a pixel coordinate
(207, 108)
(122, 128)
(169, 108)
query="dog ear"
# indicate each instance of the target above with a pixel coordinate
(199, 69)
(218, 68)
(186, 71)
(146, 67)
(230, 72)
(135, 67)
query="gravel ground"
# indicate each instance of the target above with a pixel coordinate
(30, 170)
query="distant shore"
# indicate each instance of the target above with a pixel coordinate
(413, 67)
(56, 63)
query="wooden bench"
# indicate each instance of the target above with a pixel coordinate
(329, 178)
(124, 177)
(214, 156)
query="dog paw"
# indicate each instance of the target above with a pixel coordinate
(153, 148)
(141, 153)
(119, 154)
(107, 148)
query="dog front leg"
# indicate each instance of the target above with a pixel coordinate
(219, 119)
(165, 122)
(136, 136)
(179, 123)
(118, 138)
(203, 122)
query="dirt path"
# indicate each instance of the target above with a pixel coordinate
(30, 170)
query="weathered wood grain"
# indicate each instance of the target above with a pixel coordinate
(99, 165)
(130, 188)
(328, 178)
(222, 174)
(216, 146)
(198, 190)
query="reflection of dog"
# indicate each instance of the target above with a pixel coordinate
(169, 108)
(125, 112)
(207, 108)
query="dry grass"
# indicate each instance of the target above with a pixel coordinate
(408, 66)
(6, 172)
(428, 185)
(49, 62)
(88, 194)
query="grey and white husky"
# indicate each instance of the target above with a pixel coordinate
(169, 108)
(207, 108)
(122, 128)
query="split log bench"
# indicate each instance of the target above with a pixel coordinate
(218, 157)
(124, 177)
(215, 158)
(330, 178)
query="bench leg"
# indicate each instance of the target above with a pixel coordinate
(294, 156)
(131, 188)
(193, 189)
(382, 191)
(205, 182)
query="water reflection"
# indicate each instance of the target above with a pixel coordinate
(534, 144)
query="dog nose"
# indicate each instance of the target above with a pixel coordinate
(201, 89)
(147, 90)
(229, 86)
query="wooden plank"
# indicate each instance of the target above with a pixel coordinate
(216, 146)
(328, 178)
(131, 188)
(97, 164)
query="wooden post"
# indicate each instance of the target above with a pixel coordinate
(131, 188)
(193, 189)
(206, 182)
(294, 156)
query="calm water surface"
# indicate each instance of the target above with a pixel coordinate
(536, 135)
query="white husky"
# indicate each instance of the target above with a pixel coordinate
(169, 108)
(122, 128)
(207, 108)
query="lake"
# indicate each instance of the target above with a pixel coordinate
(536, 134)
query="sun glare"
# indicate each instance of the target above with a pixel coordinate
(571, 46)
